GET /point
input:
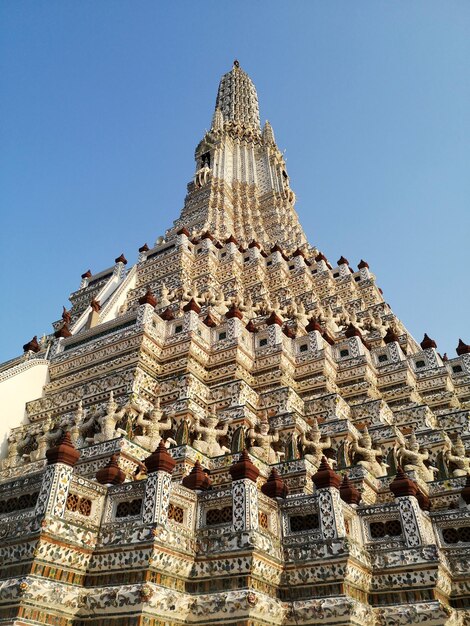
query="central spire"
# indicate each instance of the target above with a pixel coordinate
(240, 187)
(237, 98)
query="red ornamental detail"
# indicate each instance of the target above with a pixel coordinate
(348, 491)
(148, 298)
(111, 473)
(313, 325)
(428, 343)
(463, 348)
(244, 468)
(167, 315)
(160, 460)
(63, 331)
(274, 319)
(95, 305)
(362, 264)
(144, 248)
(209, 321)
(66, 315)
(192, 306)
(343, 261)
(121, 259)
(87, 274)
(275, 487)
(183, 231)
(390, 336)
(32, 346)
(197, 479)
(65, 452)
(326, 477)
(402, 485)
(234, 311)
(352, 331)
(207, 235)
(231, 239)
(251, 328)
(254, 244)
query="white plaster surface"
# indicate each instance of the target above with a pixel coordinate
(18, 385)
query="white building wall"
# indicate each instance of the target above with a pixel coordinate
(18, 385)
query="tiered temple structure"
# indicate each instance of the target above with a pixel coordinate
(234, 430)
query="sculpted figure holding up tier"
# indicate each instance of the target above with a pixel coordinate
(411, 459)
(362, 449)
(108, 421)
(13, 457)
(457, 458)
(80, 426)
(311, 440)
(152, 428)
(209, 435)
(264, 450)
(44, 439)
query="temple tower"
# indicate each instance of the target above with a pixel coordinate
(234, 430)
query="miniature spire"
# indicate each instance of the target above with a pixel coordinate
(234, 311)
(244, 468)
(402, 485)
(326, 477)
(160, 460)
(121, 259)
(251, 328)
(167, 315)
(218, 120)
(209, 321)
(66, 316)
(462, 348)
(196, 480)
(148, 298)
(111, 473)
(32, 346)
(275, 487)
(268, 134)
(192, 305)
(65, 452)
(348, 491)
(63, 331)
(390, 336)
(313, 325)
(428, 343)
(274, 319)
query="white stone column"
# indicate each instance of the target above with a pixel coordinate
(330, 508)
(52, 499)
(160, 466)
(245, 494)
(157, 498)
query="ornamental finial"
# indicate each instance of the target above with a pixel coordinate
(236, 63)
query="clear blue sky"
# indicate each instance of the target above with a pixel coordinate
(103, 102)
